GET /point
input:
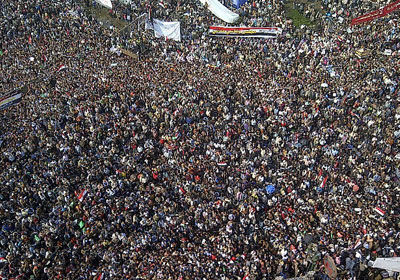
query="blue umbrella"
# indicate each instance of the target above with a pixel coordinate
(270, 189)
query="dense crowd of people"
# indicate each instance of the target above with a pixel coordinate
(209, 158)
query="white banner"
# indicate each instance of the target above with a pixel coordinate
(390, 264)
(169, 30)
(220, 11)
(105, 3)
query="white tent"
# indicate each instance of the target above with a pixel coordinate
(389, 264)
(105, 3)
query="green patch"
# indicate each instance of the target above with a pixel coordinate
(298, 18)
(103, 15)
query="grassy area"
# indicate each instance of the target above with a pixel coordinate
(295, 10)
(298, 18)
(103, 15)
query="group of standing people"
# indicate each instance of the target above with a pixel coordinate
(209, 158)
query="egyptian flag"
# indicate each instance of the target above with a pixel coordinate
(81, 195)
(379, 211)
(62, 67)
(222, 163)
(182, 190)
(324, 182)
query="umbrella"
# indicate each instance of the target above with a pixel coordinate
(330, 267)
(270, 189)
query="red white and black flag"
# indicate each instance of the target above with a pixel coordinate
(260, 32)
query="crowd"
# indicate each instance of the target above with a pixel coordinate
(209, 158)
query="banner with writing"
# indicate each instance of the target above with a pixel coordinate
(260, 32)
(10, 99)
(377, 14)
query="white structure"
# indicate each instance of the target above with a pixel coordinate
(105, 3)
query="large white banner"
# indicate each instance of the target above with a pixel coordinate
(105, 3)
(169, 30)
(391, 264)
(220, 10)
